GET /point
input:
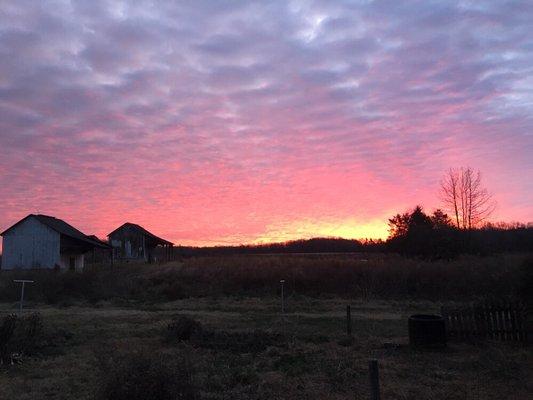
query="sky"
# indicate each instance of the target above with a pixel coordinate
(227, 122)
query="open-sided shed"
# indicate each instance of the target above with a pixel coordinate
(133, 242)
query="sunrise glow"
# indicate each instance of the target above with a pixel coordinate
(250, 122)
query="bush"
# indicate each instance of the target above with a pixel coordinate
(7, 329)
(239, 342)
(187, 329)
(144, 375)
(183, 328)
(20, 336)
(29, 334)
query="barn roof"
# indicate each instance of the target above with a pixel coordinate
(144, 231)
(60, 227)
(98, 240)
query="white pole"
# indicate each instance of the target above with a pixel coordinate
(23, 281)
(22, 297)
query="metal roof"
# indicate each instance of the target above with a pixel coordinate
(61, 227)
(144, 231)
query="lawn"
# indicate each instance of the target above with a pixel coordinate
(254, 352)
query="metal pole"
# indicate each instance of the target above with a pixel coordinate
(348, 321)
(282, 297)
(22, 297)
(23, 281)
(373, 372)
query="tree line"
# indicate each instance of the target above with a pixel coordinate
(438, 235)
(413, 233)
(416, 233)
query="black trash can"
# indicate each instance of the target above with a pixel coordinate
(427, 331)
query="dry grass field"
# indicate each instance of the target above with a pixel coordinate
(244, 348)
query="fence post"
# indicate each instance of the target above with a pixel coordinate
(282, 297)
(373, 372)
(348, 321)
(444, 314)
(507, 316)
(514, 325)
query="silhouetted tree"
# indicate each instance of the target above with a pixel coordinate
(462, 194)
(415, 233)
(440, 219)
(399, 225)
(410, 233)
(419, 220)
(404, 224)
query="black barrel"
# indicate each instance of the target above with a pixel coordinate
(427, 331)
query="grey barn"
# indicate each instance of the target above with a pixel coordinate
(42, 241)
(131, 242)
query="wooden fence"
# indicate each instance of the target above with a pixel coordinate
(504, 321)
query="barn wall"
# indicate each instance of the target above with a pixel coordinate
(79, 261)
(128, 243)
(30, 244)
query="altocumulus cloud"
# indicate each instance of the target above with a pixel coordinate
(230, 121)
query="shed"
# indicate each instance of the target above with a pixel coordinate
(42, 241)
(133, 242)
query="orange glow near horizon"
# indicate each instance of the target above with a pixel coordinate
(347, 229)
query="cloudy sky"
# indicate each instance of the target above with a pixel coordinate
(215, 122)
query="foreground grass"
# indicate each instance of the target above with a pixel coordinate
(312, 359)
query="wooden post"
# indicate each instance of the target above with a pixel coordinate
(507, 317)
(348, 321)
(373, 372)
(460, 325)
(444, 313)
(522, 336)
(282, 297)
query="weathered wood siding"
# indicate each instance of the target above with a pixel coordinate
(129, 243)
(78, 259)
(30, 244)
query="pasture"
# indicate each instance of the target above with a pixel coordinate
(103, 328)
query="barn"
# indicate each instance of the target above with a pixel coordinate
(42, 241)
(131, 242)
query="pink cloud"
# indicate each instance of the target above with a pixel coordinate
(228, 123)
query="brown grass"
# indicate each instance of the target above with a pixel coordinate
(306, 355)
(380, 277)
(247, 350)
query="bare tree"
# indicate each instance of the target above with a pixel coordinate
(462, 194)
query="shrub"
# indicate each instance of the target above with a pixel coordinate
(239, 342)
(187, 329)
(183, 328)
(29, 334)
(144, 375)
(20, 336)
(7, 330)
